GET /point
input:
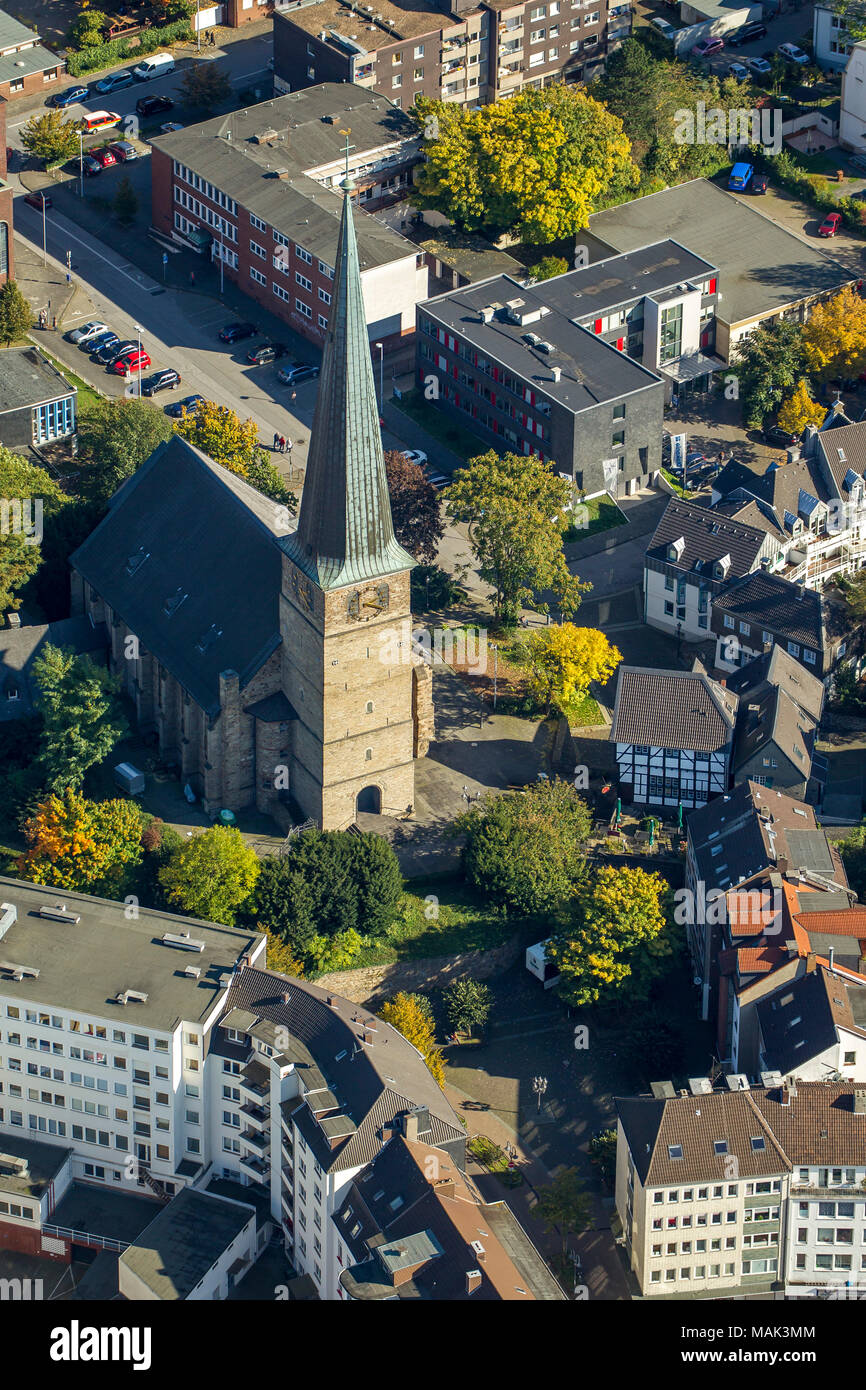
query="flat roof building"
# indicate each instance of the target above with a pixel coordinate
(37, 403)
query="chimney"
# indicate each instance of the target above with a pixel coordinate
(556, 372)
(410, 1126)
(473, 1280)
(723, 681)
(811, 961)
(830, 955)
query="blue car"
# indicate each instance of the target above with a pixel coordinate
(739, 179)
(69, 97)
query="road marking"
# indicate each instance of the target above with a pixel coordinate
(70, 236)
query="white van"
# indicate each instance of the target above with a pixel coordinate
(157, 65)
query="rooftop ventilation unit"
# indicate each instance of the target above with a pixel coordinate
(737, 1081)
(8, 917)
(226, 981)
(183, 942)
(556, 373)
(194, 971)
(769, 1079)
(487, 313)
(479, 1249)
(131, 996)
(700, 1086)
(19, 971)
(59, 913)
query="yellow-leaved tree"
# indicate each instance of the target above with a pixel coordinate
(614, 911)
(834, 337)
(412, 1016)
(563, 660)
(234, 443)
(799, 410)
(85, 846)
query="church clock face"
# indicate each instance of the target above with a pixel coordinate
(369, 602)
(303, 590)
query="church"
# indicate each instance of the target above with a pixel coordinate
(264, 659)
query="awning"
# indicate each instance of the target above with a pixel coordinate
(688, 368)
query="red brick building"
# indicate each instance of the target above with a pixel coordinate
(7, 265)
(25, 66)
(257, 190)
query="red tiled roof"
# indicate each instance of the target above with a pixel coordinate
(850, 922)
(759, 960)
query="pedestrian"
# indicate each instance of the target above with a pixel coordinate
(276, 441)
(289, 447)
(294, 396)
(282, 444)
(192, 278)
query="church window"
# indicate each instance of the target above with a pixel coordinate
(369, 706)
(368, 754)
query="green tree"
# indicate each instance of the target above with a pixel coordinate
(50, 137)
(415, 507)
(768, 366)
(115, 437)
(548, 267)
(28, 496)
(853, 852)
(467, 1004)
(524, 849)
(170, 10)
(16, 316)
(602, 1155)
(81, 714)
(266, 479)
(536, 164)
(515, 507)
(204, 87)
(407, 1014)
(853, 19)
(564, 1206)
(211, 875)
(614, 913)
(86, 31)
(159, 842)
(85, 846)
(125, 204)
(853, 588)
(327, 953)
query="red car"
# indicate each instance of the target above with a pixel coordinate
(103, 157)
(35, 200)
(130, 362)
(830, 225)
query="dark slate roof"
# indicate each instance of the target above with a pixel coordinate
(345, 531)
(751, 825)
(850, 441)
(774, 604)
(241, 153)
(174, 1253)
(707, 536)
(777, 667)
(375, 1083)
(774, 718)
(794, 488)
(203, 537)
(672, 709)
(20, 646)
(27, 378)
(801, 1020)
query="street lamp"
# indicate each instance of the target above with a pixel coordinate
(495, 671)
(381, 376)
(139, 330)
(44, 250)
(81, 163)
(539, 1086)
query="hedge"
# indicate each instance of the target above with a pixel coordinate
(106, 55)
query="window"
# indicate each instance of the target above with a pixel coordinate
(303, 308)
(397, 81)
(303, 281)
(323, 322)
(53, 421)
(258, 223)
(324, 296)
(258, 250)
(303, 255)
(418, 51)
(257, 276)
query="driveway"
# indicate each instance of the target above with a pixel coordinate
(803, 221)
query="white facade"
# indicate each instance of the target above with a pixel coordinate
(672, 776)
(829, 39)
(852, 118)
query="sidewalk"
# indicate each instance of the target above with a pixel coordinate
(46, 287)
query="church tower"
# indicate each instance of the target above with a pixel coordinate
(347, 665)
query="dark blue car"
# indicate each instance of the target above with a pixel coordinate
(70, 96)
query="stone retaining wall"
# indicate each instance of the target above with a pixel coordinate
(376, 983)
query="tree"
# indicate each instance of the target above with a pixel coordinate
(330, 883)
(174, 9)
(563, 660)
(16, 316)
(853, 20)
(211, 875)
(548, 267)
(467, 1004)
(327, 953)
(81, 714)
(28, 495)
(405, 1014)
(115, 437)
(266, 479)
(564, 1206)
(281, 958)
(86, 32)
(50, 137)
(613, 912)
(516, 509)
(205, 86)
(853, 588)
(853, 852)
(415, 507)
(523, 849)
(768, 366)
(834, 336)
(799, 410)
(432, 587)
(234, 444)
(85, 846)
(602, 1155)
(125, 205)
(536, 164)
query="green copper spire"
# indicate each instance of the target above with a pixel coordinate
(345, 530)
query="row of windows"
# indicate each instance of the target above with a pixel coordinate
(207, 189)
(207, 215)
(699, 1272)
(92, 1030)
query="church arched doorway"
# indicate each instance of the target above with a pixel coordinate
(370, 800)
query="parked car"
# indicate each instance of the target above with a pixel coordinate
(104, 158)
(830, 225)
(35, 200)
(774, 434)
(265, 352)
(295, 372)
(739, 177)
(112, 351)
(69, 97)
(738, 71)
(135, 361)
(91, 166)
(187, 405)
(747, 33)
(153, 106)
(414, 455)
(758, 67)
(705, 48)
(792, 54)
(759, 183)
(157, 65)
(87, 330)
(662, 27)
(165, 380)
(169, 127)
(94, 121)
(123, 151)
(113, 82)
(694, 457)
(100, 341)
(233, 332)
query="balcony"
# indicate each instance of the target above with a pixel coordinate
(255, 1081)
(286, 1174)
(256, 1140)
(256, 1114)
(255, 1166)
(829, 1193)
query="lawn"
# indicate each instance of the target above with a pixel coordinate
(440, 917)
(87, 394)
(443, 428)
(596, 514)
